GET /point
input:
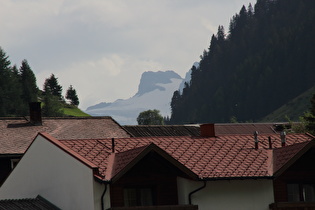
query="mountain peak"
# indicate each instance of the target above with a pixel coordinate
(155, 92)
(152, 80)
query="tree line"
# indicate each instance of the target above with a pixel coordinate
(265, 60)
(18, 88)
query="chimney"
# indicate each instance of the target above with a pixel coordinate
(113, 145)
(207, 130)
(283, 138)
(270, 142)
(256, 139)
(35, 113)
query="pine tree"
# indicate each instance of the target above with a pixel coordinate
(51, 86)
(28, 82)
(5, 79)
(309, 117)
(72, 96)
(52, 106)
(18, 107)
(52, 98)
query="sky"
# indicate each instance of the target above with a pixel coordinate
(101, 47)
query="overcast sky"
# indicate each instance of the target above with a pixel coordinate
(102, 47)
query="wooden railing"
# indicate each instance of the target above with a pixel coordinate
(172, 207)
(292, 206)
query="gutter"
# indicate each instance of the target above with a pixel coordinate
(240, 178)
(196, 190)
(101, 181)
(102, 197)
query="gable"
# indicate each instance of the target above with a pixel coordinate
(148, 179)
(150, 155)
(288, 156)
(50, 171)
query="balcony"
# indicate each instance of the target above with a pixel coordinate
(171, 207)
(292, 206)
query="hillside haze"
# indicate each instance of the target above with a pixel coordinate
(154, 92)
(264, 60)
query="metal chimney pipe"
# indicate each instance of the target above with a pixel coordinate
(270, 142)
(113, 145)
(256, 139)
(283, 138)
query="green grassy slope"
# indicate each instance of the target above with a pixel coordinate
(74, 112)
(293, 109)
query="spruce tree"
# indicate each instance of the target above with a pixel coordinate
(309, 117)
(5, 80)
(51, 86)
(72, 96)
(28, 82)
(52, 97)
(52, 106)
(17, 107)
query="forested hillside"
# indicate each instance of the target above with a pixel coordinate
(18, 88)
(264, 60)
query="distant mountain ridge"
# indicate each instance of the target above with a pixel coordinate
(155, 91)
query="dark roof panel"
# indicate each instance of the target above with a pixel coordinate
(194, 130)
(27, 204)
(162, 130)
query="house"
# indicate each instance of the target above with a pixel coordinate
(16, 134)
(194, 129)
(261, 171)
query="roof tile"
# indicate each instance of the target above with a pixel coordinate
(219, 157)
(17, 133)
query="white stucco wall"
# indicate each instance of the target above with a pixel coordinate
(222, 195)
(48, 171)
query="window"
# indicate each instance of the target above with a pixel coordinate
(309, 192)
(301, 192)
(293, 192)
(138, 196)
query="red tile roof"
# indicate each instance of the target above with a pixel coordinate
(16, 134)
(220, 157)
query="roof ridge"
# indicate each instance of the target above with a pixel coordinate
(291, 145)
(98, 141)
